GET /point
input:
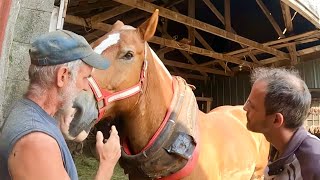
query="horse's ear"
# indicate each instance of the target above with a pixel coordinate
(148, 28)
(117, 25)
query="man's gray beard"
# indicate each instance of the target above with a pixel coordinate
(67, 96)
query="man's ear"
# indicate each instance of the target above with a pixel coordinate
(278, 120)
(62, 76)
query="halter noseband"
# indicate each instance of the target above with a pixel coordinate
(103, 97)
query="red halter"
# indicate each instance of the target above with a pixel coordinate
(106, 97)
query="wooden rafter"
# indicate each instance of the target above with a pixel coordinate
(195, 67)
(299, 53)
(94, 35)
(289, 28)
(201, 51)
(301, 9)
(227, 15)
(190, 76)
(206, 45)
(135, 16)
(91, 6)
(149, 7)
(292, 47)
(191, 13)
(170, 43)
(309, 50)
(244, 51)
(268, 14)
(184, 53)
(286, 16)
(214, 10)
(111, 13)
(222, 20)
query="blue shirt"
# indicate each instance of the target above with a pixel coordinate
(27, 117)
(301, 159)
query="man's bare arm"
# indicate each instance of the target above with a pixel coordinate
(36, 156)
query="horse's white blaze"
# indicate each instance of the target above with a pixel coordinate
(155, 56)
(111, 40)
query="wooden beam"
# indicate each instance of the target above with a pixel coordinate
(191, 13)
(190, 76)
(195, 67)
(273, 22)
(270, 60)
(301, 8)
(135, 16)
(244, 51)
(82, 22)
(293, 54)
(111, 13)
(286, 16)
(208, 63)
(291, 48)
(94, 35)
(149, 7)
(222, 20)
(91, 6)
(201, 51)
(185, 54)
(227, 15)
(204, 98)
(215, 11)
(173, 3)
(207, 46)
(308, 50)
(289, 28)
(161, 41)
(164, 50)
(299, 53)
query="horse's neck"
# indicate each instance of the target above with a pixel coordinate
(152, 107)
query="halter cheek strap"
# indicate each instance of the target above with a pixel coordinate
(103, 97)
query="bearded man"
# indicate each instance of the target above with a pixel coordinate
(31, 143)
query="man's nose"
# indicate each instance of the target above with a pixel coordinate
(245, 106)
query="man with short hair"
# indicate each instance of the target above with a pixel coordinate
(277, 106)
(31, 143)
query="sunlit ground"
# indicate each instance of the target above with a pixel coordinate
(88, 166)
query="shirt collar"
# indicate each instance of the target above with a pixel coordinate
(276, 166)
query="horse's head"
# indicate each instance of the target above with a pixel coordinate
(132, 72)
(127, 50)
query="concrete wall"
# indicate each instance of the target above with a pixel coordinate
(28, 19)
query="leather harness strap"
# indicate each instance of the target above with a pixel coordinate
(163, 157)
(174, 149)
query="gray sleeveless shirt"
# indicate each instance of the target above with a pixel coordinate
(26, 117)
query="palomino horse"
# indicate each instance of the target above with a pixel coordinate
(163, 133)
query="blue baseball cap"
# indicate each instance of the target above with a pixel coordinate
(62, 46)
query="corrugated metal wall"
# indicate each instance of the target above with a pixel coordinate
(310, 72)
(229, 90)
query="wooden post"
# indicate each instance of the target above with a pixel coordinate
(191, 13)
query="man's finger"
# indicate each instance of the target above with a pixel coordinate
(99, 137)
(114, 130)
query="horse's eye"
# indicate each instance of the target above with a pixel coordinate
(128, 56)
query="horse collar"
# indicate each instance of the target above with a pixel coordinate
(173, 151)
(104, 97)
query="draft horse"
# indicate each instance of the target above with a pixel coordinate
(163, 133)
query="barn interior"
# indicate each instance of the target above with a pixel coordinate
(213, 44)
